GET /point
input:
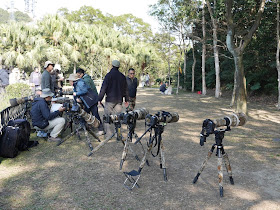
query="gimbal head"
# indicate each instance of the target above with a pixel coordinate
(208, 126)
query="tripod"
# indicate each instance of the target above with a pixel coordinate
(133, 176)
(222, 156)
(80, 125)
(131, 127)
(119, 138)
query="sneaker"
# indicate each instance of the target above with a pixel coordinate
(52, 139)
(42, 134)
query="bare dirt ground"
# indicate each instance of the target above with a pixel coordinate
(51, 177)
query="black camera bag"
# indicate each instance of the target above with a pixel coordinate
(9, 142)
(25, 129)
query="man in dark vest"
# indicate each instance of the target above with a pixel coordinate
(115, 88)
(132, 84)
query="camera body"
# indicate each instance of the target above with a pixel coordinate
(162, 116)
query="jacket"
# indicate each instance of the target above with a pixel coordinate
(46, 81)
(132, 86)
(115, 87)
(85, 93)
(90, 82)
(40, 113)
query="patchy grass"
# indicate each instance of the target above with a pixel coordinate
(63, 177)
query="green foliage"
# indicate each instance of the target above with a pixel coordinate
(4, 16)
(18, 90)
(158, 81)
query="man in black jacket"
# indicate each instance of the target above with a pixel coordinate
(115, 88)
(132, 84)
(43, 119)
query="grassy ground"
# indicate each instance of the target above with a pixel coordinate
(51, 177)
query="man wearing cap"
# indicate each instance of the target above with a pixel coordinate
(43, 119)
(115, 88)
(46, 80)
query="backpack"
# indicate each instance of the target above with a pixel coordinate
(25, 130)
(15, 138)
(9, 142)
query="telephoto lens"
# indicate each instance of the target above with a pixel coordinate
(141, 113)
(17, 101)
(235, 119)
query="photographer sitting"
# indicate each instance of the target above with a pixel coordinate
(43, 119)
(86, 95)
(162, 88)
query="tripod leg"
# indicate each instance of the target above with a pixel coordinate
(133, 153)
(220, 171)
(93, 134)
(204, 163)
(228, 167)
(88, 140)
(125, 150)
(101, 144)
(143, 161)
(162, 162)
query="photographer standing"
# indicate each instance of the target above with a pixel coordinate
(132, 84)
(43, 119)
(46, 80)
(87, 96)
(115, 88)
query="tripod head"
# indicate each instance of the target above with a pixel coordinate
(209, 126)
(158, 121)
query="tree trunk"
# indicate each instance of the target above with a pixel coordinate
(277, 54)
(75, 67)
(169, 61)
(203, 50)
(193, 67)
(178, 83)
(241, 100)
(237, 52)
(185, 68)
(216, 51)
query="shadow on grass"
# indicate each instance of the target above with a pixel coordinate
(51, 177)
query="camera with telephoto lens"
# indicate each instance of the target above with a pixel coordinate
(162, 116)
(208, 126)
(126, 117)
(131, 116)
(17, 101)
(112, 118)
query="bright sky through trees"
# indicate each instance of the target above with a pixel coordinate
(136, 7)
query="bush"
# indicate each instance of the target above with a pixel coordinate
(18, 90)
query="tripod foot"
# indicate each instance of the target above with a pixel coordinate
(164, 174)
(221, 191)
(90, 154)
(137, 158)
(160, 165)
(147, 162)
(196, 178)
(121, 164)
(231, 180)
